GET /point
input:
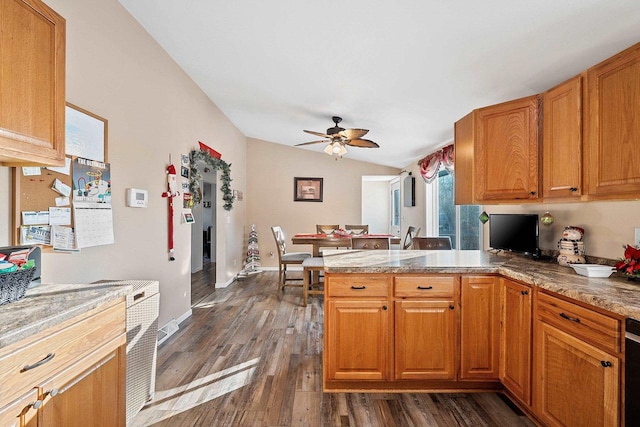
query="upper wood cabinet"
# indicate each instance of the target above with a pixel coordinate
(562, 140)
(497, 153)
(32, 67)
(612, 131)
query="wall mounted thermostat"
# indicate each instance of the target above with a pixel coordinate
(137, 198)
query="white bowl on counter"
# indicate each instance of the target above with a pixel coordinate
(593, 270)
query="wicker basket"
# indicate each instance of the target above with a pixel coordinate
(13, 285)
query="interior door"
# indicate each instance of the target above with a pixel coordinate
(395, 207)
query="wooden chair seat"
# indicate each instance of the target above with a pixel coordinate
(286, 258)
(311, 265)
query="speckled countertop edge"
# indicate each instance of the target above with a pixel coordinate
(613, 294)
(48, 305)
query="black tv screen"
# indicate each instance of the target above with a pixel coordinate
(514, 232)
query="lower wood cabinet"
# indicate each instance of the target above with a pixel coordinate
(358, 338)
(577, 383)
(69, 375)
(515, 339)
(425, 340)
(576, 364)
(480, 327)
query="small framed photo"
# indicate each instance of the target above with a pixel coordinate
(307, 189)
(184, 158)
(184, 172)
(188, 217)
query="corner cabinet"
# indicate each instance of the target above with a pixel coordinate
(612, 127)
(32, 65)
(480, 328)
(497, 152)
(577, 364)
(515, 338)
(562, 140)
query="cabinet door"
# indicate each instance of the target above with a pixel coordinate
(515, 361)
(425, 340)
(576, 384)
(613, 128)
(507, 151)
(480, 327)
(562, 140)
(22, 411)
(357, 341)
(94, 397)
(32, 84)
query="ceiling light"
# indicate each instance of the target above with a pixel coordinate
(335, 149)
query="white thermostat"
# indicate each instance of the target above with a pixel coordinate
(137, 198)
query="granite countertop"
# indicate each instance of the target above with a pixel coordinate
(48, 305)
(615, 294)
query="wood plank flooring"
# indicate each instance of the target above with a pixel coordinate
(251, 355)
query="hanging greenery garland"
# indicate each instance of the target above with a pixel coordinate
(196, 178)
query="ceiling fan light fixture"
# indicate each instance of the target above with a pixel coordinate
(335, 149)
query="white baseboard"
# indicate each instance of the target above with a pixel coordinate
(172, 327)
(225, 284)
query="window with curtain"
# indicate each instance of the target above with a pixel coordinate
(444, 218)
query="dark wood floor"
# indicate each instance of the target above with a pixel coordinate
(251, 356)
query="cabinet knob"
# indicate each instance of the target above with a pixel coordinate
(37, 404)
(606, 364)
(573, 189)
(533, 193)
(53, 392)
(384, 307)
(451, 307)
(524, 292)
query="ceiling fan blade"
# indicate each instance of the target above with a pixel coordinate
(318, 134)
(365, 143)
(353, 133)
(313, 142)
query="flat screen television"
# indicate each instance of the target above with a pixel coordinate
(515, 233)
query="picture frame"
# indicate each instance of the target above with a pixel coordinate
(85, 134)
(188, 217)
(307, 189)
(184, 172)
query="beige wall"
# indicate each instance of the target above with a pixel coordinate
(269, 197)
(116, 70)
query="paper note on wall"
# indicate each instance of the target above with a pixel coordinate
(93, 224)
(59, 216)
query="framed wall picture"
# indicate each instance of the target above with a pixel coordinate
(307, 189)
(85, 134)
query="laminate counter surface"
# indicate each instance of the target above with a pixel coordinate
(48, 305)
(615, 294)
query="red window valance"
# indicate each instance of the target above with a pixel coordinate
(430, 165)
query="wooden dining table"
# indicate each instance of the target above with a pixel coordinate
(333, 240)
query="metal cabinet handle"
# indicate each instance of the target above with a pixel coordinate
(358, 287)
(524, 292)
(451, 307)
(384, 307)
(425, 288)
(47, 358)
(53, 392)
(573, 189)
(138, 296)
(533, 193)
(606, 364)
(573, 319)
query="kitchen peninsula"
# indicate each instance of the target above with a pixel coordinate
(552, 340)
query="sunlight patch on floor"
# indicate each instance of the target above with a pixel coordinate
(179, 399)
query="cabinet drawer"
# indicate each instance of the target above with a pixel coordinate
(58, 350)
(425, 286)
(358, 286)
(596, 328)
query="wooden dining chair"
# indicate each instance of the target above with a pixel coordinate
(432, 243)
(370, 243)
(287, 258)
(412, 232)
(357, 229)
(326, 228)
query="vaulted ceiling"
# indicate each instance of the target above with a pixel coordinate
(405, 69)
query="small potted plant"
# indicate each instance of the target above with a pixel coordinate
(630, 265)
